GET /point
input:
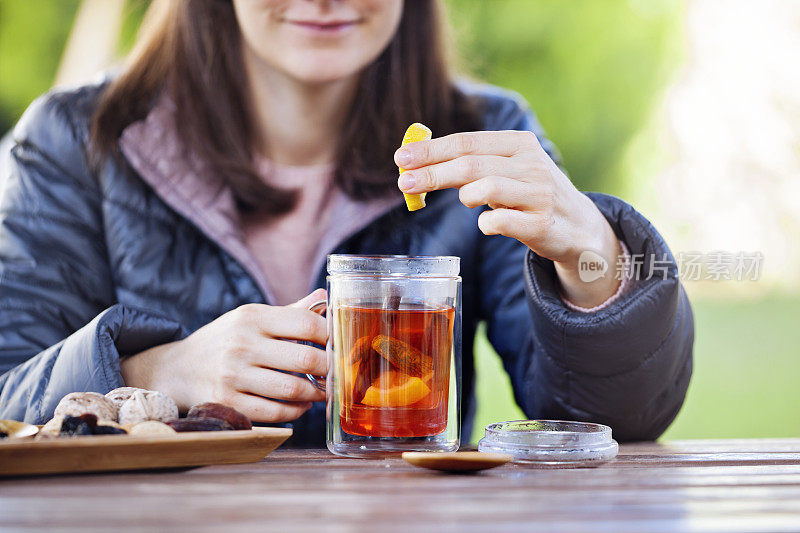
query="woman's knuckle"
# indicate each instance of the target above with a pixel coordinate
(269, 412)
(229, 373)
(290, 389)
(226, 396)
(227, 379)
(236, 351)
(307, 359)
(246, 313)
(428, 178)
(464, 143)
(283, 413)
(471, 165)
(308, 327)
(422, 152)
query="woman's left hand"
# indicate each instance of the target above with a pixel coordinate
(530, 200)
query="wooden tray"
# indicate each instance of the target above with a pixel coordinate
(128, 452)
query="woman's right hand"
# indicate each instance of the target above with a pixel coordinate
(237, 360)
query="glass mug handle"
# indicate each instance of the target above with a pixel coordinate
(320, 307)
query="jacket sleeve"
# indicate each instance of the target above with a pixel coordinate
(61, 329)
(627, 365)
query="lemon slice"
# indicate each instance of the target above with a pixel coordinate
(395, 389)
(415, 132)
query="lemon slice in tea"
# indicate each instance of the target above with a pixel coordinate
(415, 132)
(394, 389)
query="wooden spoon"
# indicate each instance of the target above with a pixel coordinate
(456, 461)
(18, 430)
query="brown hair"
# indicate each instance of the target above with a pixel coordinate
(192, 50)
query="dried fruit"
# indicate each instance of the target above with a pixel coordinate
(86, 424)
(109, 427)
(78, 403)
(198, 424)
(403, 356)
(151, 427)
(52, 428)
(415, 132)
(147, 405)
(14, 429)
(108, 430)
(366, 372)
(73, 426)
(394, 389)
(222, 412)
(120, 395)
(361, 349)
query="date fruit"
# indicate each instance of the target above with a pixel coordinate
(221, 412)
(86, 424)
(199, 424)
(73, 426)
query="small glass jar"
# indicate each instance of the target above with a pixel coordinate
(393, 352)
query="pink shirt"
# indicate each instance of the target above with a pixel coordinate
(285, 246)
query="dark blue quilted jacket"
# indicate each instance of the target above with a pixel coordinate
(95, 266)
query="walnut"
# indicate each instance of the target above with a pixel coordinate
(151, 428)
(147, 405)
(121, 394)
(81, 403)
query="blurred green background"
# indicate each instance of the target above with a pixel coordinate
(594, 71)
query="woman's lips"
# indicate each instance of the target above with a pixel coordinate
(332, 27)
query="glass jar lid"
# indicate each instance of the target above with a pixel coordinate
(416, 266)
(551, 442)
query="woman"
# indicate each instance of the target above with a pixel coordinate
(157, 227)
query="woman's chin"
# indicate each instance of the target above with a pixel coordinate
(313, 73)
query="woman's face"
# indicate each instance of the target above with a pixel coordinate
(317, 41)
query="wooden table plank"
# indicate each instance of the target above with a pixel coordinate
(676, 486)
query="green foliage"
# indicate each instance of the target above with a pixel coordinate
(134, 13)
(32, 35)
(591, 69)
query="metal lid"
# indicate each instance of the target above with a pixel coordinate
(551, 442)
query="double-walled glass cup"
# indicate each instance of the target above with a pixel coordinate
(394, 326)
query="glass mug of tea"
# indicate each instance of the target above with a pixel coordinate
(394, 346)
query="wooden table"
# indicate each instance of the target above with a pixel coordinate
(720, 485)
